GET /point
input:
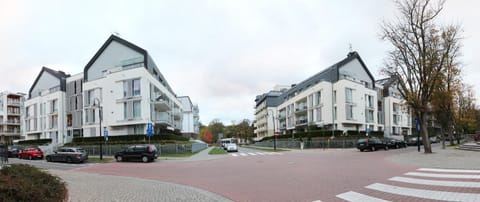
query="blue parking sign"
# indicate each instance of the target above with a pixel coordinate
(149, 129)
(105, 134)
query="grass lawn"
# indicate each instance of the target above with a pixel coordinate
(269, 149)
(217, 150)
(97, 159)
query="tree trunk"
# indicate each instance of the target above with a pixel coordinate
(426, 141)
(442, 136)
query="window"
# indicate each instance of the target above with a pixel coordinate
(396, 107)
(54, 121)
(396, 119)
(369, 99)
(369, 116)
(131, 88)
(318, 97)
(90, 116)
(53, 107)
(136, 87)
(319, 114)
(310, 101)
(132, 110)
(348, 95)
(136, 109)
(90, 97)
(349, 112)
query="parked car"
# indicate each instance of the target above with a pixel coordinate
(231, 147)
(13, 151)
(371, 144)
(69, 155)
(31, 153)
(144, 153)
(395, 143)
(412, 141)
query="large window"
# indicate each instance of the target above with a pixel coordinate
(319, 114)
(132, 109)
(318, 97)
(349, 112)
(131, 88)
(53, 106)
(348, 95)
(369, 99)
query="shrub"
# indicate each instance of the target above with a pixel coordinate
(35, 142)
(21, 182)
(128, 139)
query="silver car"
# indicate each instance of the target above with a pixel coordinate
(69, 155)
(231, 147)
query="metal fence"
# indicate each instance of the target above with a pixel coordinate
(310, 144)
(109, 150)
(3, 154)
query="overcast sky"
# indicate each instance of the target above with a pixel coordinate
(220, 53)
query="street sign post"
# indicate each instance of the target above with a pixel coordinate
(105, 133)
(149, 131)
(417, 126)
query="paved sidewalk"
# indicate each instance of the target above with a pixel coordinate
(200, 156)
(440, 158)
(96, 187)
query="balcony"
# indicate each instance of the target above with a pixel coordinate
(14, 113)
(177, 114)
(301, 122)
(13, 103)
(161, 105)
(301, 110)
(13, 122)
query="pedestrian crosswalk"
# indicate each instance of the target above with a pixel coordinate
(422, 184)
(243, 154)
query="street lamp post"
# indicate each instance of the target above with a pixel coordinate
(100, 124)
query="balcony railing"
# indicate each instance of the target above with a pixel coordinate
(301, 122)
(161, 105)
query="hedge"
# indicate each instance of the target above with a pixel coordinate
(128, 139)
(327, 134)
(22, 182)
(35, 142)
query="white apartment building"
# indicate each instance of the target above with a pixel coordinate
(45, 107)
(342, 97)
(395, 118)
(190, 125)
(120, 89)
(11, 111)
(131, 90)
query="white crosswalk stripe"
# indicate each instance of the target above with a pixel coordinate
(254, 154)
(354, 197)
(425, 188)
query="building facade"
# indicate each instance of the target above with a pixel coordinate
(11, 116)
(121, 90)
(190, 125)
(45, 107)
(342, 97)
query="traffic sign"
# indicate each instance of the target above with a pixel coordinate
(417, 124)
(105, 133)
(276, 133)
(367, 131)
(149, 129)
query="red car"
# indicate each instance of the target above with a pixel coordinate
(31, 153)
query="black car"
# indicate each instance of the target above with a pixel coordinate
(69, 155)
(412, 141)
(395, 143)
(144, 153)
(14, 150)
(371, 144)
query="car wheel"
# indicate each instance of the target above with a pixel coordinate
(373, 148)
(144, 159)
(69, 160)
(386, 147)
(48, 158)
(361, 150)
(30, 158)
(119, 159)
(396, 146)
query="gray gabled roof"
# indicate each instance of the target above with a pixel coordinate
(58, 74)
(147, 61)
(331, 74)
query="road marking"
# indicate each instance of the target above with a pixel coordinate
(354, 196)
(243, 154)
(235, 155)
(443, 175)
(317, 201)
(260, 153)
(426, 194)
(437, 182)
(448, 170)
(252, 154)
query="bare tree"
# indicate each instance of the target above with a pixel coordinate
(421, 51)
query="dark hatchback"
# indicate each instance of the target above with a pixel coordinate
(371, 144)
(69, 155)
(14, 150)
(395, 143)
(144, 153)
